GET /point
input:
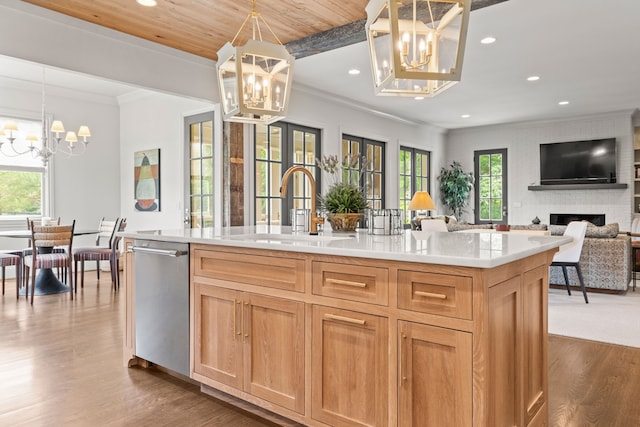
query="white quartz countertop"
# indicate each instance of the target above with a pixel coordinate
(482, 249)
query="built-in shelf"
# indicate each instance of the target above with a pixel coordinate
(576, 187)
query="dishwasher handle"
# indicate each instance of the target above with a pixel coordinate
(163, 252)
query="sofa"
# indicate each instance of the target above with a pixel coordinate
(605, 260)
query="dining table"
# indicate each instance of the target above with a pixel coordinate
(47, 282)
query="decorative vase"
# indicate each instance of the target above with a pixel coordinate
(342, 222)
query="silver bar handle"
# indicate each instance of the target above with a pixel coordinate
(164, 252)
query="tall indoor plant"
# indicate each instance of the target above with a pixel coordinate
(344, 201)
(455, 187)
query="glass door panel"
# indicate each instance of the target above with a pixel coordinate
(415, 176)
(278, 147)
(199, 186)
(490, 191)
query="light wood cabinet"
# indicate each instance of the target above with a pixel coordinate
(330, 340)
(441, 294)
(251, 342)
(260, 268)
(349, 371)
(517, 328)
(351, 282)
(129, 347)
(435, 376)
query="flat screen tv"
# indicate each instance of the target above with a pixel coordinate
(578, 162)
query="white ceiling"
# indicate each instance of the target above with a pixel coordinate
(586, 52)
(17, 72)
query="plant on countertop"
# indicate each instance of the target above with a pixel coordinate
(344, 200)
(455, 187)
(344, 195)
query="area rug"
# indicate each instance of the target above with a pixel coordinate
(613, 319)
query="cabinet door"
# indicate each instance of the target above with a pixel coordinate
(535, 288)
(435, 378)
(218, 334)
(505, 375)
(273, 333)
(349, 369)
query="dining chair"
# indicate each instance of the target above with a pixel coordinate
(43, 241)
(433, 225)
(27, 250)
(569, 254)
(115, 254)
(99, 252)
(11, 259)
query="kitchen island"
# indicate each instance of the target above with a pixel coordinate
(421, 329)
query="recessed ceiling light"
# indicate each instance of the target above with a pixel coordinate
(149, 3)
(419, 98)
(563, 103)
(488, 40)
(465, 116)
(533, 78)
(354, 71)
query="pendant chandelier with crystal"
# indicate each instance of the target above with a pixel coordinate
(255, 78)
(416, 46)
(47, 146)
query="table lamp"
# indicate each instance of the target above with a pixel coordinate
(420, 202)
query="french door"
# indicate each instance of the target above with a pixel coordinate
(199, 191)
(372, 180)
(277, 147)
(490, 171)
(415, 175)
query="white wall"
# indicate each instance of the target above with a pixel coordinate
(334, 118)
(85, 187)
(151, 120)
(522, 142)
(25, 32)
(46, 37)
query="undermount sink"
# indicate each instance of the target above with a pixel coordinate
(266, 237)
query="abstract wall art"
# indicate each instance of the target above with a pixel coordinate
(147, 180)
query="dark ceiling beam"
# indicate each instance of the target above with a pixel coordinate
(347, 35)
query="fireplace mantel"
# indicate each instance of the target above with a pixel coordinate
(552, 187)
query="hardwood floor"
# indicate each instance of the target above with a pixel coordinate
(593, 384)
(61, 364)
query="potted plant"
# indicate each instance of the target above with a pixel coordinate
(455, 187)
(344, 201)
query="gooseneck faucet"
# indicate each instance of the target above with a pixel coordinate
(315, 219)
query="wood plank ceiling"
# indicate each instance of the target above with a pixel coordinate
(201, 27)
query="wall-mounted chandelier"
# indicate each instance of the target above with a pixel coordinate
(47, 146)
(254, 79)
(416, 46)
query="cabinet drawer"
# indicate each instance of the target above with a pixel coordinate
(351, 282)
(432, 293)
(271, 271)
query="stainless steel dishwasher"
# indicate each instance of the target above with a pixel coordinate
(162, 303)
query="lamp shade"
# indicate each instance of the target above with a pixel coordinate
(71, 137)
(57, 127)
(421, 201)
(11, 126)
(416, 46)
(84, 131)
